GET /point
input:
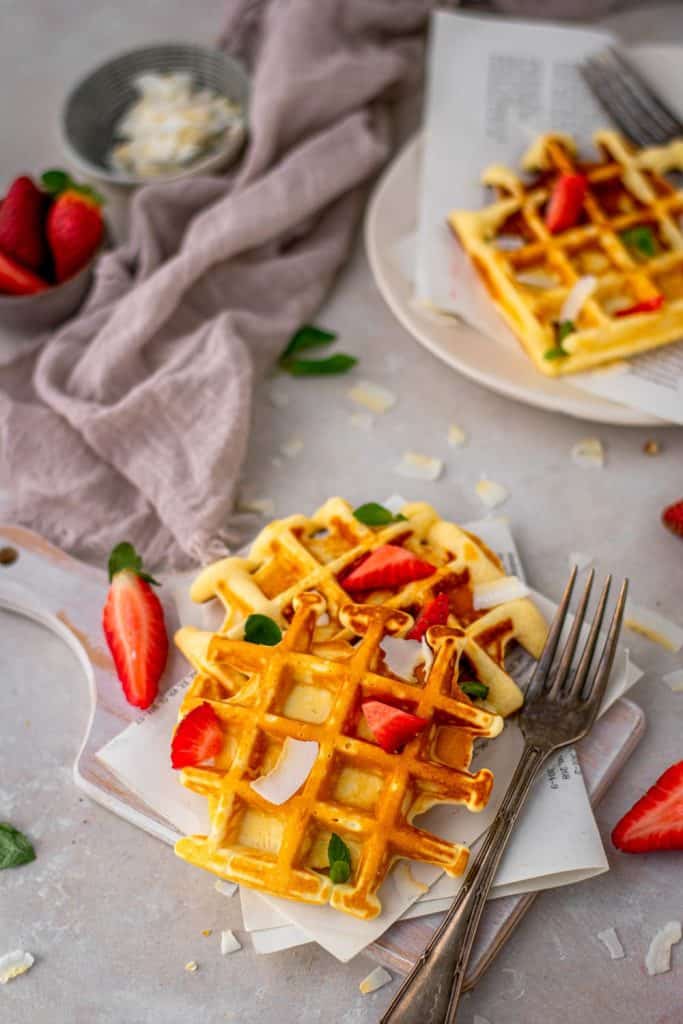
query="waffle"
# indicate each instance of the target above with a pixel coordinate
(354, 788)
(529, 278)
(297, 554)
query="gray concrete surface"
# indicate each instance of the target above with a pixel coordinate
(111, 916)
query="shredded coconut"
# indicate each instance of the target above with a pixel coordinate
(610, 940)
(589, 453)
(491, 493)
(14, 964)
(372, 396)
(375, 979)
(456, 436)
(658, 959)
(229, 942)
(419, 467)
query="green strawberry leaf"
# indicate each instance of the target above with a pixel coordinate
(479, 691)
(307, 336)
(124, 556)
(337, 850)
(339, 363)
(55, 181)
(373, 514)
(340, 872)
(15, 848)
(261, 629)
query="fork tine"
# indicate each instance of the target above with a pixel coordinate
(540, 675)
(583, 668)
(562, 670)
(599, 684)
(645, 95)
(600, 82)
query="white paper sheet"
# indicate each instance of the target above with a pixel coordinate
(559, 807)
(493, 87)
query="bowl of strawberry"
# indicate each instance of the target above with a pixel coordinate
(51, 232)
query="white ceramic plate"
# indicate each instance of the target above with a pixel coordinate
(392, 215)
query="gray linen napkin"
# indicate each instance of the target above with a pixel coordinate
(132, 421)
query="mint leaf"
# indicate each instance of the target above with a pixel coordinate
(372, 514)
(555, 353)
(340, 872)
(339, 363)
(477, 690)
(562, 330)
(337, 850)
(261, 629)
(641, 241)
(307, 337)
(15, 849)
(124, 556)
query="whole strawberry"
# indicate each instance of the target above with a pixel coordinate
(74, 223)
(133, 623)
(21, 223)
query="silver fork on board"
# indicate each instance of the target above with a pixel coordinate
(561, 705)
(631, 103)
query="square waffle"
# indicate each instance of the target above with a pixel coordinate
(297, 554)
(529, 272)
(354, 788)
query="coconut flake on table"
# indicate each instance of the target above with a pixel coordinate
(263, 506)
(589, 452)
(277, 396)
(225, 888)
(610, 941)
(658, 959)
(14, 964)
(649, 623)
(403, 656)
(500, 591)
(375, 979)
(415, 466)
(491, 493)
(229, 942)
(293, 767)
(674, 680)
(577, 297)
(292, 448)
(362, 420)
(372, 396)
(580, 560)
(456, 436)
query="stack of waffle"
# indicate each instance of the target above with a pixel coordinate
(311, 687)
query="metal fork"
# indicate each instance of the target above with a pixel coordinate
(631, 103)
(561, 705)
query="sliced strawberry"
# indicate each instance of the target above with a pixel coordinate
(566, 200)
(646, 306)
(17, 280)
(433, 614)
(656, 821)
(391, 727)
(198, 737)
(673, 517)
(387, 566)
(133, 623)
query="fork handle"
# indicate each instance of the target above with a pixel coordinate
(431, 992)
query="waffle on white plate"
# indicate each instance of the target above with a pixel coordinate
(584, 259)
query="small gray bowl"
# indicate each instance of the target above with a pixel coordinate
(39, 312)
(96, 103)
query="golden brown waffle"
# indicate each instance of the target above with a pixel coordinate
(294, 555)
(529, 272)
(354, 789)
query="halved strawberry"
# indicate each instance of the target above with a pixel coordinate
(133, 623)
(387, 566)
(673, 517)
(17, 280)
(655, 822)
(391, 727)
(646, 306)
(566, 200)
(435, 613)
(198, 737)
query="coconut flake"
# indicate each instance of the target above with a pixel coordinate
(402, 656)
(372, 396)
(419, 467)
(508, 243)
(650, 624)
(610, 940)
(491, 493)
(191, 966)
(229, 942)
(225, 888)
(362, 420)
(580, 560)
(278, 397)
(263, 506)
(456, 436)
(323, 619)
(13, 964)
(292, 447)
(375, 979)
(658, 959)
(289, 774)
(574, 303)
(589, 452)
(537, 279)
(494, 592)
(395, 503)
(674, 680)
